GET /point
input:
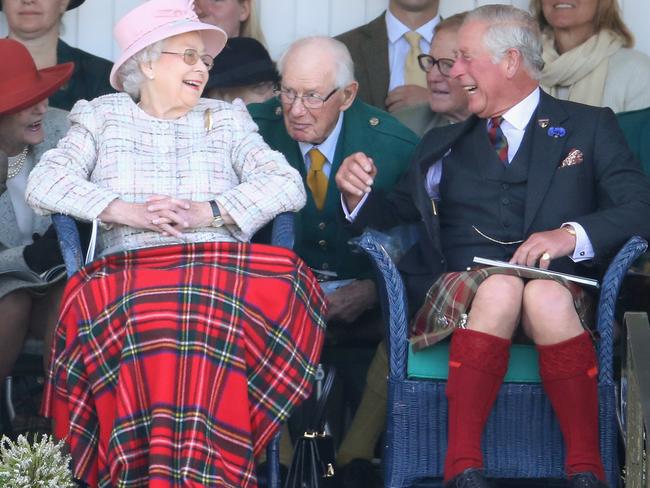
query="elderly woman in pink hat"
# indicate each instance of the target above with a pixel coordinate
(180, 351)
(28, 246)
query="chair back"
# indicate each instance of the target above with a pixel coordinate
(636, 128)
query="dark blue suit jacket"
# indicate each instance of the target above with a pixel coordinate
(608, 194)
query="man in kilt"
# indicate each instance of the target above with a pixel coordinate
(528, 179)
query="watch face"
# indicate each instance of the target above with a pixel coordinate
(217, 221)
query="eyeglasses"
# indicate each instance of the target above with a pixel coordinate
(191, 57)
(427, 63)
(310, 101)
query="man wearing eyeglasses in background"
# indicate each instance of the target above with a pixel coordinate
(447, 99)
(324, 123)
(385, 54)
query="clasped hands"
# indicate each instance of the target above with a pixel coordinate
(356, 176)
(167, 215)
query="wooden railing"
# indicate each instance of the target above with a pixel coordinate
(635, 403)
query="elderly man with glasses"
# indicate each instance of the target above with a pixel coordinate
(528, 179)
(316, 121)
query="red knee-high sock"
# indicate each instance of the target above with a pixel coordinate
(477, 365)
(569, 373)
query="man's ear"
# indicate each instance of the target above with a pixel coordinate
(349, 94)
(514, 62)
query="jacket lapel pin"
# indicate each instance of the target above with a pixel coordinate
(556, 132)
(543, 123)
(574, 157)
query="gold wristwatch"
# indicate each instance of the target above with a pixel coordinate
(217, 219)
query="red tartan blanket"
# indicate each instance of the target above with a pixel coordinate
(174, 366)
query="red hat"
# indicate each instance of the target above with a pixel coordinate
(71, 5)
(21, 84)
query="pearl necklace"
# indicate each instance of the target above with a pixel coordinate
(15, 167)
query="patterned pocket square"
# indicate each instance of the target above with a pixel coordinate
(574, 157)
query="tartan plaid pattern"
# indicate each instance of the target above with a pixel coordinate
(174, 366)
(449, 299)
(498, 138)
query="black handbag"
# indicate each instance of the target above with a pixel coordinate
(313, 462)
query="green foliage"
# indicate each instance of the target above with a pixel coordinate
(42, 464)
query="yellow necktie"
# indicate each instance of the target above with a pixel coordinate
(413, 74)
(316, 179)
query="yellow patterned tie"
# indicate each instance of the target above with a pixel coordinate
(413, 74)
(316, 179)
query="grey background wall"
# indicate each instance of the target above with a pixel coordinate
(90, 26)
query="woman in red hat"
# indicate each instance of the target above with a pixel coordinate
(28, 128)
(37, 24)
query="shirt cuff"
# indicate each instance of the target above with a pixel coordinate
(583, 250)
(350, 216)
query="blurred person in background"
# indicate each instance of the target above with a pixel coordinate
(242, 70)
(37, 24)
(235, 17)
(447, 99)
(385, 54)
(588, 55)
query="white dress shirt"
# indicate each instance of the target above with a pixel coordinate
(398, 46)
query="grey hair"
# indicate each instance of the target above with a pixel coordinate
(511, 28)
(130, 76)
(344, 66)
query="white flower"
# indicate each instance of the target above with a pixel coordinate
(42, 464)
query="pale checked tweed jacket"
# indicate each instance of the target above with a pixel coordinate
(116, 150)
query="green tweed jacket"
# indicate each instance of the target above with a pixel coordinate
(320, 238)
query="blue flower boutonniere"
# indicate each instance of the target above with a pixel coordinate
(556, 132)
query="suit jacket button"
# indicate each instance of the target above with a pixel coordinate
(321, 226)
(322, 243)
(325, 266)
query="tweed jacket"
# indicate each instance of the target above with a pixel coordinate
(605, 191)
(116, 150)
(320, 239)
(12, 251)
(368, 46)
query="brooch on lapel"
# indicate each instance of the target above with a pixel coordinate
(543, 123)
(556, 132)
(574, 157)
(207, 120)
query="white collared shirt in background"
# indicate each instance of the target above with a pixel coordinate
(398, 46)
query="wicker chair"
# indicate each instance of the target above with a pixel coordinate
(282, 235)
(522, 438)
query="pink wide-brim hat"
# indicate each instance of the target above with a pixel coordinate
(156, 20)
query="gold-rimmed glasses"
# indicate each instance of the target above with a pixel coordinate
(192, 56)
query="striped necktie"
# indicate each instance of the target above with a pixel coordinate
(316, 179)
(498, 139)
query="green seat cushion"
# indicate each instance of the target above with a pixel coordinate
(433, 363)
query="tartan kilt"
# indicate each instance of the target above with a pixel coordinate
(175, 366)
(449, 299)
